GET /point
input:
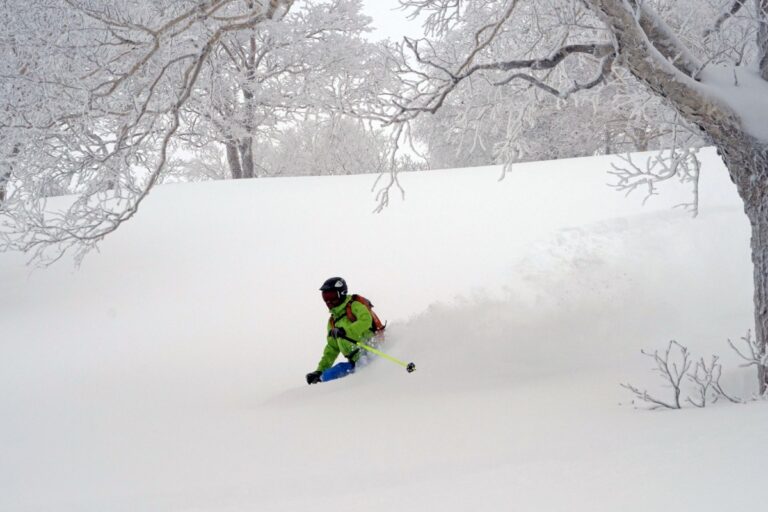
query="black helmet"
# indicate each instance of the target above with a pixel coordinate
(337, 285)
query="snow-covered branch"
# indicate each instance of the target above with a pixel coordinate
(706, 380)
(672, 367)
(652, 52)
(730, 12)
(680, 163)
(675, 366)
(439, 15)
(431, 101)
(753, 353)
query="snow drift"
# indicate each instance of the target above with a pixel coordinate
(167, 373)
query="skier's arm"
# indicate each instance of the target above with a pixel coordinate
(330, 353)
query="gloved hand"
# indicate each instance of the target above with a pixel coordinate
(338, 332)
(314, 377)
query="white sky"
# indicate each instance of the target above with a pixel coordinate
(389, 21)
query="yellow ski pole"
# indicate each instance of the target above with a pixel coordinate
(409, 367)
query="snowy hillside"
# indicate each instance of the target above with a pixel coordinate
(167, 374)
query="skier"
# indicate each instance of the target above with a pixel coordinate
(352, 321)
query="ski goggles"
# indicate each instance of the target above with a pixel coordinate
(330, 295)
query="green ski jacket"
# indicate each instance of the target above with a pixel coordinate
(359, 330)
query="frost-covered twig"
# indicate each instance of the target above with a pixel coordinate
(441, 15)
(706, 379)
(646, 397)
(703, 376)
(672, 368)
(754, 353)
(665, 165)
(382, 195)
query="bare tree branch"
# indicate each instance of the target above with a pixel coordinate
(432, 101)
(682, 164)
(672, 369)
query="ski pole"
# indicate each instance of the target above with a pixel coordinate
(409, 367)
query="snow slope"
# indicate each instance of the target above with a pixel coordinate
(167, 373)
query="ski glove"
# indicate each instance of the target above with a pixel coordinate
(338, 332)
(314, 377)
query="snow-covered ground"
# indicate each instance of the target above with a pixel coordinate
(167, 374)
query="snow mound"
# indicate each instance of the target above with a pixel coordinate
(167, 373)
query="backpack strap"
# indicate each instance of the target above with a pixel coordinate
(350, 315)
(334, 320)
(376, 323)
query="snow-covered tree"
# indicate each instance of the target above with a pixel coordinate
(98, 97)
(707, 59)
(311, 58)
(322, 145)
(481, 123)
(6, 167)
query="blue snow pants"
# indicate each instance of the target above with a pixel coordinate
(337, 371)
(345, 368)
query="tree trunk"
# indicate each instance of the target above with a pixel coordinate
(246, 143)
(5, 176)
(233, 158)
(246, 156)
(747, 162)
(608, 139)
(650, 50)
(640, 136)
(762, 37)
(758, 218)
(3, 183)
(753, 188)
